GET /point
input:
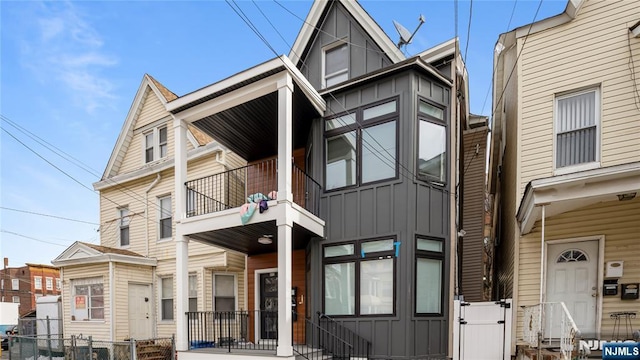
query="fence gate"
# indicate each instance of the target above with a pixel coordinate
(482, 330)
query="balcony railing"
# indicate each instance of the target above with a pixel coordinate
(232, 188)
(550, 325)
(229, 331)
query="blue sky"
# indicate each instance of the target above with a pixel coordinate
(69, 72)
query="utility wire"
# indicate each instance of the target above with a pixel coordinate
(31, 238)
(466, 48)
(366, 144)
(48, 215)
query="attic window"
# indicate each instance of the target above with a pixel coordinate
(336, 64)
(155, 144)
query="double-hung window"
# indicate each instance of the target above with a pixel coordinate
(577, 128)
(49, 283)
(165, 220)
(15, 284)
(166, 298)
(361, 146)
(58, 284)
(359, 278)
(155, 144)
(429, 276)
(432, 142)
(124, 226)
(336, 64)
(224, 288)
(37, 282)
(88, 299)
(193, 293)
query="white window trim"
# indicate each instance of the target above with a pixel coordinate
(326, 49)
(598, 104)
(13, 284)
(89, 281)
(48, 280)
(58, 284)
(156, 144)
(159, 225)
(213, 289)
(197, 290)
(160, 298)
(35, 282)
(13, 299)
(120, 218)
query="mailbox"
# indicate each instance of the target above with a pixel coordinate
(610, 287)
(629, 291)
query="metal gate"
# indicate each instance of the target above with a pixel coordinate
(482, 330)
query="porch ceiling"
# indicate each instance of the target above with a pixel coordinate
(251, 128)
(244, 238)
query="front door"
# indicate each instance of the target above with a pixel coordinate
(572, 275)
(269, 305)
(140, 311)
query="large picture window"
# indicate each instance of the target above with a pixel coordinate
(361, 146)
(359, 278)
(432, 142)
(429, 276)
(577, 121)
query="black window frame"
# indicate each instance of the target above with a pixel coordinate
(432, 255)
(359, 126)
(357, 258)
(444, 122)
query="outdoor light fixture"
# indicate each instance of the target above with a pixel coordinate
(265, 239)
(626, 196)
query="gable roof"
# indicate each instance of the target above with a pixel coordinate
(147, 86)
(80, 253)
(569, 13)
(316, 17)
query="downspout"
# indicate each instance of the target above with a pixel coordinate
(112, 301)
(542, 255)
(146, 212)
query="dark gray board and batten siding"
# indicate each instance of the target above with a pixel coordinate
(402, 207)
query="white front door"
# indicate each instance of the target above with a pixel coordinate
(140, 320)
(572, 276)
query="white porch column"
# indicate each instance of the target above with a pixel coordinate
(182, 242)
(285, 197)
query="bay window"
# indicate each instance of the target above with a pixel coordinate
(432, 142)
(361, 146)
(359, 278)
(429, 276)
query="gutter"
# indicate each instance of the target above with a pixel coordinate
(146, 212)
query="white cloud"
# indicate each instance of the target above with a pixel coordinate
(69, 51)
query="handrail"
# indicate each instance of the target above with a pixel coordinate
(361, 346)
(550, 324)
(316, 336)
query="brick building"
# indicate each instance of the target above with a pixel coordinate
(26, 283)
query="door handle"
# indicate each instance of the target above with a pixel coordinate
(594, 294)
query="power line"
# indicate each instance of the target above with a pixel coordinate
(48, 215)
(466, 48)
(31, 238)
(324, 32)
(389, 162)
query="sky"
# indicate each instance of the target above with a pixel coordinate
(69, 71)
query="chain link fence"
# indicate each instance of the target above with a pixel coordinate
(85, 348)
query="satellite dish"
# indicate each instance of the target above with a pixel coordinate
(405, 35)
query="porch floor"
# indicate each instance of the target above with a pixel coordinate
(267, 351)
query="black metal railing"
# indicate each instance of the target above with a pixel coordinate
(358, 346)
(232, 188)
(229, 330)
(235, 330)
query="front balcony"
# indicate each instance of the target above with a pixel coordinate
(234, 188)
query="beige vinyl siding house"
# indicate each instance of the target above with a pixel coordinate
(574, 77)
(136, 199)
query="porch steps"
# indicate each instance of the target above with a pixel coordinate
(545, 354)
